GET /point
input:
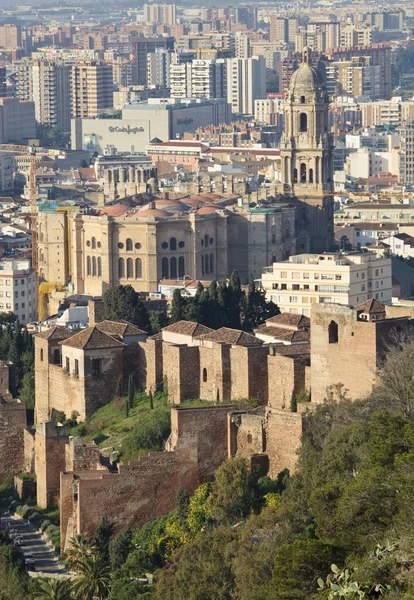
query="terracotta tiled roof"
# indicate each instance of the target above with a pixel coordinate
(119, 328)
(92, 338)
(290, 320)
(286, 335)
(56, 333)
(225, 335)
(188, 328)
(156, 336)
(371, 306)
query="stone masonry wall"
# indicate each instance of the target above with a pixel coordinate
(147, 488)
(49, 461)
(150, 365)
(181, 363)
(283, 440)
(12, 426)
(286, 376)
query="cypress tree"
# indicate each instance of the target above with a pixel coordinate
(131, 391)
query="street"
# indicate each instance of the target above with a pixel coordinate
(46, 564)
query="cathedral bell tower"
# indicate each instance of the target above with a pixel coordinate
(306, 152)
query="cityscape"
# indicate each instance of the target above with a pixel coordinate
(207, 300)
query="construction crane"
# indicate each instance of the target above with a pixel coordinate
(33, 211)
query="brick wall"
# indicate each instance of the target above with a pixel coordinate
(147, 488)
(352, 360)
(214, 373)
(12, 425)
(283, 440)
(29, 450)
(49, 461)
(286, 376)
(181, 363)
(150, 365)
(95, 311)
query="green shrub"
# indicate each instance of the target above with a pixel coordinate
(149, 434)
(45, 524)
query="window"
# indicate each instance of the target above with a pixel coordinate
(338, 277)
(16, 294)
(93, 243)
(56, 357)
(283, 275)
(96, 367)
(41, 354)
(204, 375)
(121, 268)
(303, 122)
(8, 295)
(303, 173)
(273, 232)
(302, 100)
(206, 241)
(305, 275)
(138, 268)
(67, 364)
(333, 332)
(293, 298)
(94, 266)
(99, 266)
(130, 268)
(120, 245)
(283, 286)
(295, 275)
(310, 175)
(164, 268)
(76, 367)
(295, 287)
(181, 267)
(164, 245)
(137, 245)
(206, 264)
(173, 268)
(129, 245)
(211, 263)
(173, 244)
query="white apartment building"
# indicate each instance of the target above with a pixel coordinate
(18, 292)
(246, 81)
(305, 279)
(198, 79)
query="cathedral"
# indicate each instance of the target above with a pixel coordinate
(306, 152)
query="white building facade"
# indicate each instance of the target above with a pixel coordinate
(306, 279)
(18, 293)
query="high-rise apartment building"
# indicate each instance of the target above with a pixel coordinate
(379, 54)
(279, 30)
(92, 88)
(241, 45)
(10, 36)
(158, 68)
(51, 93)
(143, 46)
(246, 81)
(163, 14)
(46, 83)
(198, 79)
(406, 166)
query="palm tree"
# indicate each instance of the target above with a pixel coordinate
(93, 579)
(50, 589)
(80, 546)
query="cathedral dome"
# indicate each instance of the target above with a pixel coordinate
(306, 78)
